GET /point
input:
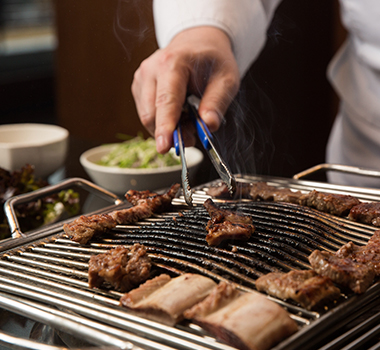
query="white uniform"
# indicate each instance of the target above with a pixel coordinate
(354, 72)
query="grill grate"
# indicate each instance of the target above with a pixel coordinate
(49, 276)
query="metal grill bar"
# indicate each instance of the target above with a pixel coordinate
(51, 272)
(106, 315)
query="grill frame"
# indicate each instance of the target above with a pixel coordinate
(312, 323)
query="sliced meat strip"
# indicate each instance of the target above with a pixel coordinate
(344, 271)
(158, 202)
(145, 203)
(305, 287)
(247, 321)
(166, 303)
(336, 204)
(84, 228)
(367, 213)
(265, 192)
(221, 191)
(368, 254)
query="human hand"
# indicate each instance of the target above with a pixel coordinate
(199, 61)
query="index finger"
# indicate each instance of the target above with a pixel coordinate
(170, 97)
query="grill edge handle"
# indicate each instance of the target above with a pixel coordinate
(10, 204)
(337, 167)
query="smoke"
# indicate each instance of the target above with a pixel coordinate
(133, 24)
(246, 140)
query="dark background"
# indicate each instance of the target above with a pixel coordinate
(284, 110)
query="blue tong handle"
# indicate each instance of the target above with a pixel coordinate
(203, 132)
(176, 139)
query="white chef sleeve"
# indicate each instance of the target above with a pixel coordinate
(244, 21)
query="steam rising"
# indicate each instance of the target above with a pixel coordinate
(246, 140)
(133, 23)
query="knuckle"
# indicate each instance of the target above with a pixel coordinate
(167, 58)
(166, 98)
(147, 120)
(231, 83)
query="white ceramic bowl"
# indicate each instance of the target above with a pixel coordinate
(120, 180)
(42, 145)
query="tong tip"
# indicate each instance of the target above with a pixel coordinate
(231, 185)
(187, 193)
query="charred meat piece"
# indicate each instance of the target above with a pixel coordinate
(336, 204)
(123, 268)
(305, 287)
(221, 191)
(146, 204)
(368, 254)
(226, 224)
(265, 192)
(367, 213)
(164, 299)
(158, 202)
(344, 271)
(81, 230)
(247, 321)
(131, 215)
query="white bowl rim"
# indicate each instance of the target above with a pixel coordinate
(117, 170)
(60, 134)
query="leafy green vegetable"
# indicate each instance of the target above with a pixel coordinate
(34, 214)
(138, 153)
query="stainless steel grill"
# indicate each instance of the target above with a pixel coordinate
(43, 275)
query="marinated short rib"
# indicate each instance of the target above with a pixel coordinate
(367, 213)
(226, 224)
(158, 202)
(123, 268)
(145, 204)
(164, 299)
(335, 204)
(305, 287)
(81, 230)
(368, 254)
(221, 191)
(263, 191)
(247, 321)
(344, 271)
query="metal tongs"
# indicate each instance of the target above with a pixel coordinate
(191, 108)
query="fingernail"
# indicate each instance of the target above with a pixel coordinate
(160, 144)
(214, 117)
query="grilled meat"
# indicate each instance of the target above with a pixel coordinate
(259, 191)
(158, 202)
(221, 191)
(226, 224)
(145, 204)
(336, 204)
(130, 215)
(81, 230)
(164, 299)
(305, 287)
(265, 192)
(368, 254)
(344, 271)
(248, 321)
(367, 213)
(123, 268)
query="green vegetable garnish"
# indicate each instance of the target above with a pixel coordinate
(138, 153)
(40, 212)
